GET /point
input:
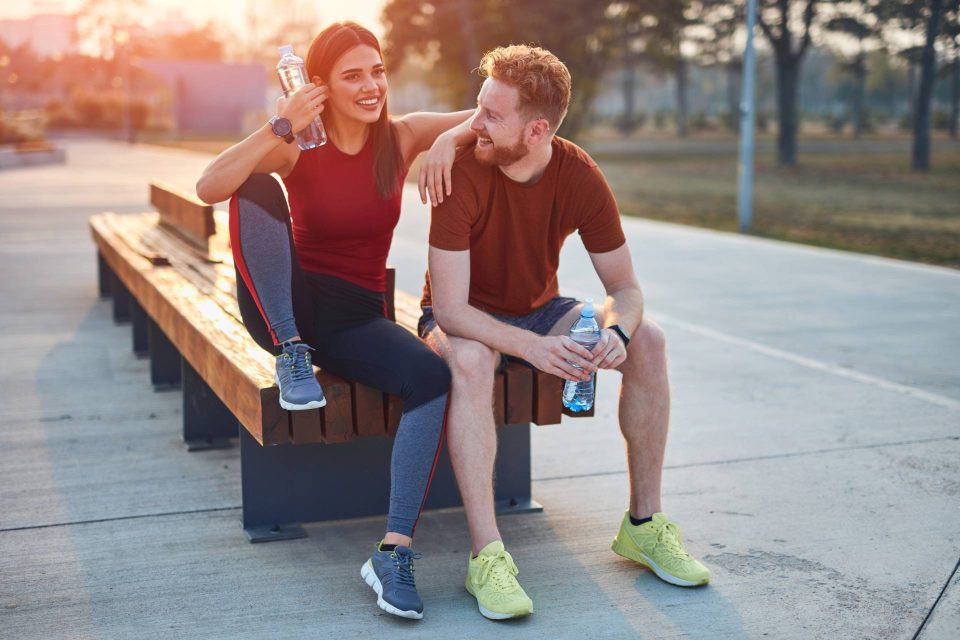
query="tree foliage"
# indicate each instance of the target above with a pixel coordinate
(448, 38)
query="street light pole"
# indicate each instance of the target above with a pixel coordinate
(748, 104)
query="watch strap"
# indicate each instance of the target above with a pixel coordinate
(620, 332)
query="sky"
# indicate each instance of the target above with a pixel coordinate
(366, 12)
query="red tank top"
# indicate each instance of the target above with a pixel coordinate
(341, 225)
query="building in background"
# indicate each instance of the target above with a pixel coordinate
(49, 34)
(212, 97)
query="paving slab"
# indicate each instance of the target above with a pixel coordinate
(944, 621)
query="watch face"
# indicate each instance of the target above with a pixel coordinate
(282, 127)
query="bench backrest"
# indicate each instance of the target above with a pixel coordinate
(184, 213)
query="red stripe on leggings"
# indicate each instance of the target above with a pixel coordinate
(436, 458)
(241, 264)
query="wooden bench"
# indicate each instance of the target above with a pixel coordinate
(171, 276)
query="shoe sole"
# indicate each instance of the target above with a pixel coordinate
(370, 577)
(495, 615)
(621, 549)
(289, 406)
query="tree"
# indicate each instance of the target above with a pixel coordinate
(725, 23)
(928, 70)
(912, 29)
(448, 38)
(667, 32)
(855, 21)
(778, 19)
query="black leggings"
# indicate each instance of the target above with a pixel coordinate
(346, 324)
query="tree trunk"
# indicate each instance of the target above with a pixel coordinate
(858, 107)
(681, 74)
(787, 75)
(928, 69)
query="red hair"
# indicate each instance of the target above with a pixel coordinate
(329, 45)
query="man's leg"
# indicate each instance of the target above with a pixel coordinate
(644, 410)
(471, 432)
(472, 442)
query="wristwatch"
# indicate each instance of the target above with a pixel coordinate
(620, 331)
(282, 128)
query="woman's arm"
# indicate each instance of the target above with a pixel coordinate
(262, 151)
(441, 134)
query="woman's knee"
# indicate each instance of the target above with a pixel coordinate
(428, 379)
(263, 190)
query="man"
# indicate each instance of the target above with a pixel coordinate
(492, 289)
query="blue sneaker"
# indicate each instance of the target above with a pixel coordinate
(299, 388)
(390, 574)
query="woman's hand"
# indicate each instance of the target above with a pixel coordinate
(435, 170)
(303, 105)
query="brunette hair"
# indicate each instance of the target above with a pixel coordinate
(542, 81)
(325, 50)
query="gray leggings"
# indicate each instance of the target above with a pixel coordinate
(346, 325)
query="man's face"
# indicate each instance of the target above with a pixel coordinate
(499, 125)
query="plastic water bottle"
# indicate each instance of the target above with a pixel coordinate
(578, 396)
(293, 75)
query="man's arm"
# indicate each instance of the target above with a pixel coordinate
(623, 304)
(450, 288)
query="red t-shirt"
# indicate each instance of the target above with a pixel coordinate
(515, 231)
(341, 225)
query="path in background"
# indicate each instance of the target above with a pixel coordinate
(814, 458)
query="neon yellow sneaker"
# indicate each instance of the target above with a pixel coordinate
(657, 544)
(492, 580)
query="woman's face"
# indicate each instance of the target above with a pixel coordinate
(358, 84)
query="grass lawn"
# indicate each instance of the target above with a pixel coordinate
(866, 202)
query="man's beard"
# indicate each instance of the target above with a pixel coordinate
(502, 156)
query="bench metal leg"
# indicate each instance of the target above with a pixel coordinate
(104, 276)
(512, 471)
(164, 359)
(121, 301)
(288, 484)
(139, 320)
(207, 422)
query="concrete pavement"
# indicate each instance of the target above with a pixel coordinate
(813, 464)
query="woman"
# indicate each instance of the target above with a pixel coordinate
(315, 289)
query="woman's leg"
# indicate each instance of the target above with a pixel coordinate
(386, 356)
(271, 289)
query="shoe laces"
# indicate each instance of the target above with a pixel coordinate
(403, 563)
(499, 569)
(299, 362)
(668, 535)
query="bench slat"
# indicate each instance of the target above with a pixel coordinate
(338, 414)
(519, 393)
(368, 414)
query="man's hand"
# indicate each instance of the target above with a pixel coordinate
(560, 356)
(609, 352)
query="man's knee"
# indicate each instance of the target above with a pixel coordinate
(648, 347)
(472, 363)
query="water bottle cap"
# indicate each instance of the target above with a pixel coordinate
(587, 310)
(286, 49)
